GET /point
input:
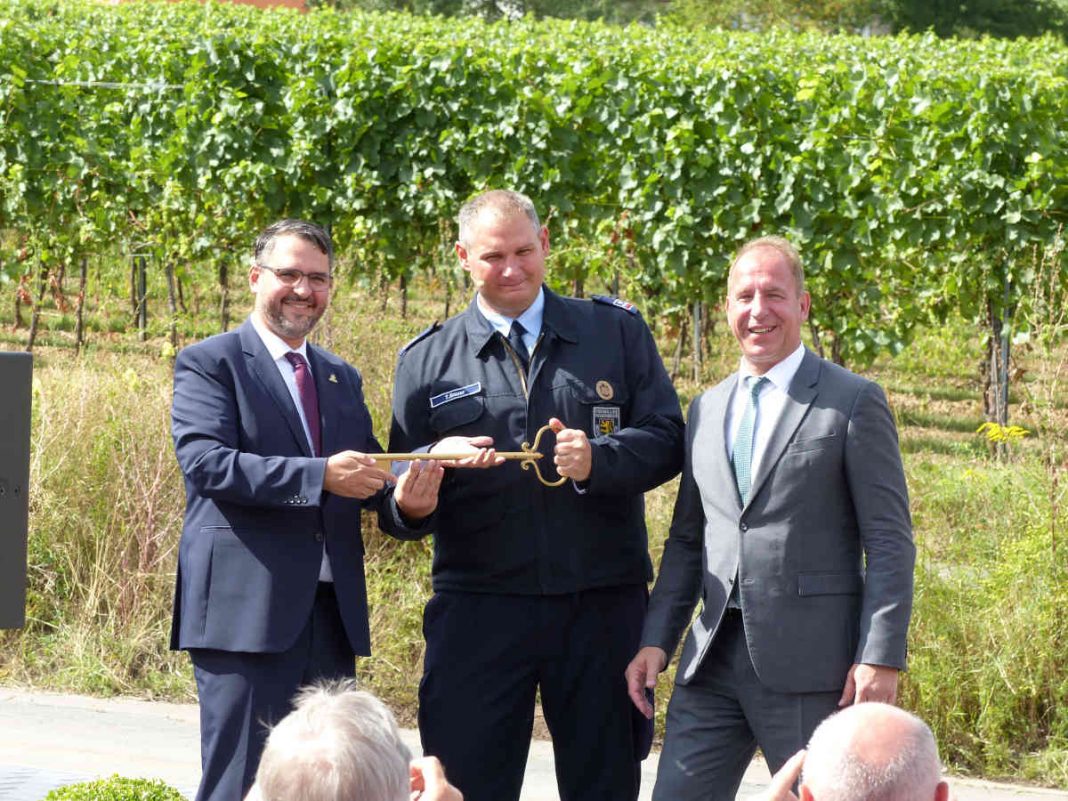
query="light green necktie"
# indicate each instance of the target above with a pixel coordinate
(742, 457)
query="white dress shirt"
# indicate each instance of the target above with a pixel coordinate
(529, 319)
(278, 349)
(770, 403)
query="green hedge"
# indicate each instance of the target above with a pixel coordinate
(117, 788)
(915, 173)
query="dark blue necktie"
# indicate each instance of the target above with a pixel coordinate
(515, 339)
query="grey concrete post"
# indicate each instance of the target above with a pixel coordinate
(16, 374)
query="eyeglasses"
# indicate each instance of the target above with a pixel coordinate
(319, 282)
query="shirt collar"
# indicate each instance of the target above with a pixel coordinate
(276, 346)
(782, 373)
(530, 319)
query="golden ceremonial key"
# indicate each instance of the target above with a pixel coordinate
(528, 456)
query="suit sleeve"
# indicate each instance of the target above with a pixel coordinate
(678, 583)
(648, 451)
(880, 498)
(205, 425)
(384, 503)
(410, 432)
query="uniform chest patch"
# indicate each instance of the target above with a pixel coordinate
(455, 394)
(606, 420)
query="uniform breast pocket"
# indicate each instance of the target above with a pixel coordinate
(455, 416)
(597, 406)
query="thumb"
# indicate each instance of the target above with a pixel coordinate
(556, 424)
(849, 691)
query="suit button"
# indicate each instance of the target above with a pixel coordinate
(744, 527)
(318, 536)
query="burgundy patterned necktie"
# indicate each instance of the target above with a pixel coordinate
(309, 399)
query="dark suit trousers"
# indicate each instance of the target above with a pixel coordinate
(715, 723)
(243, 694)
(487, 656)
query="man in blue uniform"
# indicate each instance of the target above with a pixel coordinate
(535, 588)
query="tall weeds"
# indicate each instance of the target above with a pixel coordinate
(105, 511)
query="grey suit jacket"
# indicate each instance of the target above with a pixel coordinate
(823, 549)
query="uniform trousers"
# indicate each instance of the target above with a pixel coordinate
(243, 694)
(488, 655)
(715, 722)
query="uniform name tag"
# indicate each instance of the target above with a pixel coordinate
(455, 394)
(606, 420)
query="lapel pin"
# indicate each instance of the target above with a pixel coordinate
(332, 379)
(604, 390)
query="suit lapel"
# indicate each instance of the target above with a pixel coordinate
(719, 400)
(263, 368)
(327, 387)
(799, 397)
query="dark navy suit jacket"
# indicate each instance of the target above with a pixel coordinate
(256, 514)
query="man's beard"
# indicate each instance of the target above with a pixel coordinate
(287, 328)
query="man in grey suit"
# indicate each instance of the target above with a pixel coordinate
(792, 524)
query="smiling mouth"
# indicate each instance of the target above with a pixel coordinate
(763, 330)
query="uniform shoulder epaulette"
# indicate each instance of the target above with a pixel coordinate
(630, 308)
(430, 329)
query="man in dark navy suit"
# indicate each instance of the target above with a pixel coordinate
(273, 436)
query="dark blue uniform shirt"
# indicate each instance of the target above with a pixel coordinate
(595, 366)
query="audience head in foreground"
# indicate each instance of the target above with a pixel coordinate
(343, 744)
(867, 752)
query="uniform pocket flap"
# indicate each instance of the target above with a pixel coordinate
(457, 413)
(829, 584)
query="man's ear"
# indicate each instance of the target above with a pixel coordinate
(461, 254)
(804, 794)
(942, 791)
(543, 238)
(254, 274)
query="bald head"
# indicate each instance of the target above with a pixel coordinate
(873, 752)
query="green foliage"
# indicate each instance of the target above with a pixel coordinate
(117, 788)
(617, 11)
(823, 15)
(913, 173)
(989, 634)
(1004, 18)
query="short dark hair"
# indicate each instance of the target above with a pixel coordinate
(504, 201)
(309, 232)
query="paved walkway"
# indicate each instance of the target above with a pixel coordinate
(47, 740)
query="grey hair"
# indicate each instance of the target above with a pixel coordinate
(905, 766)
(309, 232)
(504, 202)
(338, 744)
(788, 251)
